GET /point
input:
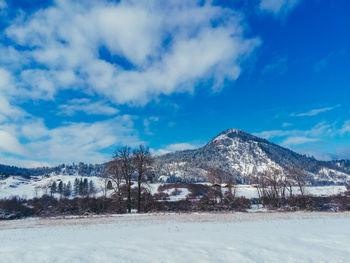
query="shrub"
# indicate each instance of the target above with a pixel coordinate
(196, 190)
(14, 208)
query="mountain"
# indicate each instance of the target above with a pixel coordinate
(236, 152)
(241, 154)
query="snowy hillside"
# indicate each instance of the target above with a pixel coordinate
(237, 153)
(241, 155)
(38, 186)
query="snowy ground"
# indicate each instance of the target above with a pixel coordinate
(238, 237)
(18, 186)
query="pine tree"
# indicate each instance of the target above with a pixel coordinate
(67, 189)
(76, 187)
(53, 188)
(91, 188)
(85, 187)
(60, 188)
(81, 187)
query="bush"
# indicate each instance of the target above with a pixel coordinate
(236, 203)
(319, 203)
(229, 203)
(14, 208)
(177, 206)
(301, 202)
(196, 190)
(161, 196)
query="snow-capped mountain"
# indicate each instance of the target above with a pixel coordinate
(241, 154)
(236, 152)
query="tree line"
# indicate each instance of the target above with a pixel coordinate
(81, 187)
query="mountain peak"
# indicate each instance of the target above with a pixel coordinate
(235, 133)
(233, 130)
(241, 154)
(229, 133)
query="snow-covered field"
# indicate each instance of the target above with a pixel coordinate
(238, 237)
(18, 186)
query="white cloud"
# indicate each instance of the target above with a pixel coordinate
(318, 155)
(168, 46)
(32, 140)
(279, 66)
(345, 128)
(66, 39)
(314, 112)
(320, 129)
(33, 129)
(176, 147)
(87, 106)
(274, 133)
(9, 143)
(278, 7)
(5, 78)
(23, 163)
(332, 56)
(84, 141)
(38, 84)
(3, 4)
(343, 152)
(286, 124)
(323, 133)
(147, 124)
(7, 109)
(296, 140)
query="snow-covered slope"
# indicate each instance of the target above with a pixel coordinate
(40, 185)
(241, 154)
(17, 186)
(237, 153)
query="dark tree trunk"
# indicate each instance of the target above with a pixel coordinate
(139, 196)
(129, 198)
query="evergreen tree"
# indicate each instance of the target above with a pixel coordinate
(67, 189)
(64, 189)
(85, 187)
(92, 189)
(53, 188)
(81, 187)
(76, 187)
(60, 188)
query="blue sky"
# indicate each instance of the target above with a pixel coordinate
(78, 79)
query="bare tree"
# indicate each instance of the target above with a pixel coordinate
(114, 173)
(143, 161)
(298, 176)
(231, 188)
(127, 168)
(271, 187)
(105, 177)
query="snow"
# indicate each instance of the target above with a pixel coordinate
(327, 174)
(24, 188)
(181, 195)
(239, 237)
(250, 191)
(247, 157)
(37, 186)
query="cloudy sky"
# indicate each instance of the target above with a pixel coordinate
(80, 78)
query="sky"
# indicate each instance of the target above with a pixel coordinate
(80, 78)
